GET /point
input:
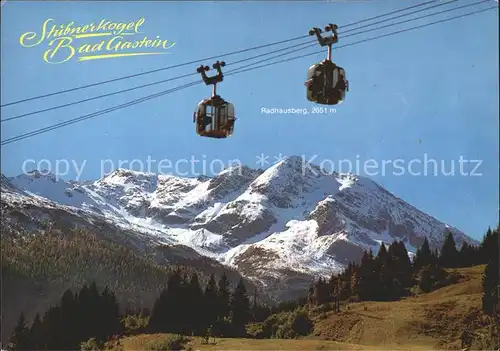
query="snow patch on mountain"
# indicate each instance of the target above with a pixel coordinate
(281, 223)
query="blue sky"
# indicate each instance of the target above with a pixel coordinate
(432, 91)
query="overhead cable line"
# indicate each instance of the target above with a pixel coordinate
(418, 18)
(98, 113)
(236, 71)
(370, 39)
(197, 61)
(396, 17)
(294, 48)
(387, 14)
(151, 71)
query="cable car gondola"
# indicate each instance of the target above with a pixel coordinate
(326, 82)
(214, 117)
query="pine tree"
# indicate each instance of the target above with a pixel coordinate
(385, 279)
(69, 337)
(335, 286)
(321, 292)
(89, 308)
(169, 309)
(156, 322)
(36, 334)
(52, 329)
(110, 315)
(175, 303)
(83, 318)
(255, 306)
(488, 249)
(240, 309)
(182, 307)
(466, 255)
(404, 263)
(20, 338)
(399, 270)
(381, 264)
(223, 296)
(194, 308)
(364, 279)
(485, 246)
(491, 275)
(423, 257)
(491, 287)
(382, 254)
(346, 281)
(93, 311)
(435, 256)
(310, 294)
(210, 302)
(448, 256)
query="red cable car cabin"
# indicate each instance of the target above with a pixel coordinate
(214, 118)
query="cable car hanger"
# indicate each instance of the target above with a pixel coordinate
(219, 77)
(214, 117)
(329, 40)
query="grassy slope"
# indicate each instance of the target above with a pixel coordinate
(429, 321)
(433, 320)
(139, 342)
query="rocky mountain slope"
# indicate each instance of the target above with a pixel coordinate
(279, 227)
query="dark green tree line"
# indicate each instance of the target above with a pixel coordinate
(183, 307)
(75, 319)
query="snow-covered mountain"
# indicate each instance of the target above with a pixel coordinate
(278, 226)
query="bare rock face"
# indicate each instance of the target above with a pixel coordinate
(281, 284)
(328, 216)
(179, 203)
(177, 254)
(6, 185)
(169, 217)
(231, 180)
(171, 190)
(236, 226)
(344, 252)
(254, 257)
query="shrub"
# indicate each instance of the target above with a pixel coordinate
(255, 330)
(170, 342)
(285, 332)
(431, 278)
(288, 325)
(300, 323)
(425, 279)
(91, 345)
(135, 323)
(272, 323)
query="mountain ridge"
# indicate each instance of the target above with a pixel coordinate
(279, 225)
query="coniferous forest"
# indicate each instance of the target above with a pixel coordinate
(391, 274)
(218, 308)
